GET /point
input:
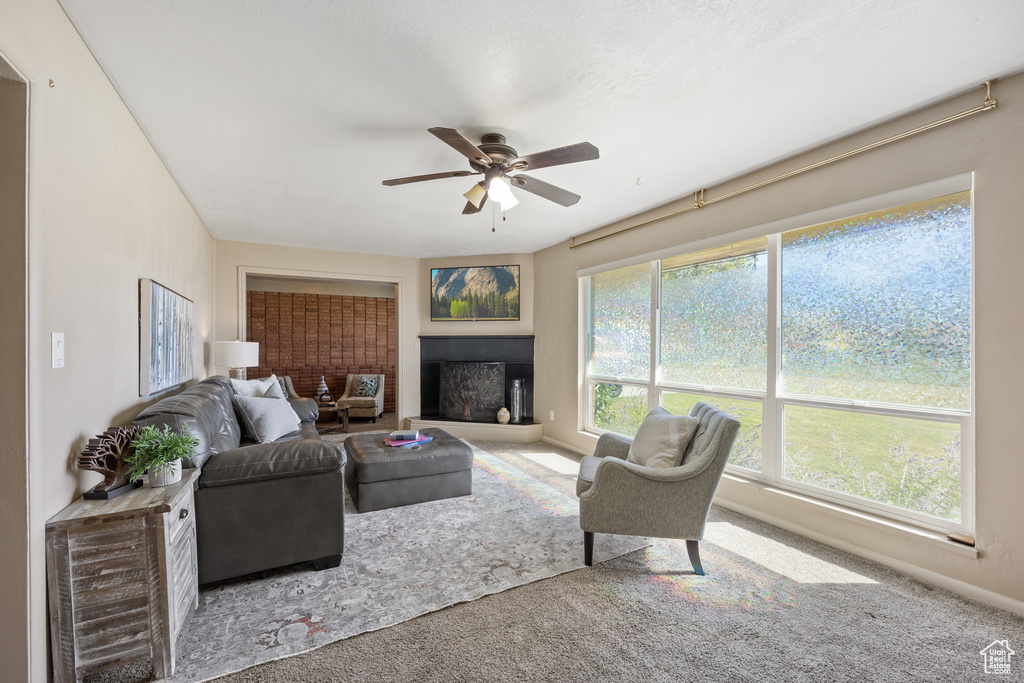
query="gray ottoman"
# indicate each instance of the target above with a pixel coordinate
(380, 477)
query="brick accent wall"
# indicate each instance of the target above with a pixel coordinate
(305, 336)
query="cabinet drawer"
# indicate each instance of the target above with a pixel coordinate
(181, 516)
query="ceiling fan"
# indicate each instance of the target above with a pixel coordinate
(495, 160)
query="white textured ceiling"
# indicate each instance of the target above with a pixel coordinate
(280, 118)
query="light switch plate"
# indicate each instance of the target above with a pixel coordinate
(551, 415)
(57, 350)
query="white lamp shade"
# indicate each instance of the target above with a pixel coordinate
(238, 354)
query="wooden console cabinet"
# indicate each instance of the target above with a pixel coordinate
(122, 579)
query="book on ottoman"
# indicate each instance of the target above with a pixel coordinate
(408, 443)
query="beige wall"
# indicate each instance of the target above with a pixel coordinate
(14, 527)
(989, 144)
(102, 212)
(321, 264)
(380, 290)
(526, 295)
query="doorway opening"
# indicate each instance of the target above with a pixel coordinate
(14, 413)
(319, 330)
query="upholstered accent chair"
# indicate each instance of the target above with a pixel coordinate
(621, 497)
(363, 406)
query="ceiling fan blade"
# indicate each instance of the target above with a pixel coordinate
(463, 146)
(429, 176)
(545, 190)
(570, 154)
(474, 209)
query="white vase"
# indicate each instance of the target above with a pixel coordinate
(323, 394)
(166, 475)
(503, 416)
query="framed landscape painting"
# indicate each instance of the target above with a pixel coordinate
(477, 293)
(166, 338)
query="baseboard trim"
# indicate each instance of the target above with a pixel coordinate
(957, 586)
(568, 447)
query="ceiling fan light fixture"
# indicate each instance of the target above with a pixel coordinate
(476, 195)
(498, 190)
(494, 159)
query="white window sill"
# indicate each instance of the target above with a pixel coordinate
(935, 538)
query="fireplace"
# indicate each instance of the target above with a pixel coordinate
(471, 391)
(468, 378)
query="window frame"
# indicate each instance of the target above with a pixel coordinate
(774, 401)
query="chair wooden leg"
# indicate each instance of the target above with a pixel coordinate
(588, 548)
(694, 553)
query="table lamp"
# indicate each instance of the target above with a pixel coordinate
(238, 355)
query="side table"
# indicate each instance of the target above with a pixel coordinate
(122, 579)
(341, 411)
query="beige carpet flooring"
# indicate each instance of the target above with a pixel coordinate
(772, 607)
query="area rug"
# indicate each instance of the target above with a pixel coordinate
(398, 564)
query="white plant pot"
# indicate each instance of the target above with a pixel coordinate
(166, 475)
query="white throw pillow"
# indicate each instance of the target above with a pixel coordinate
(266, 419)
(281, 383)
(274, 391)
(661, 439)
(252, 387)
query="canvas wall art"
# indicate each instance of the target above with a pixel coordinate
(477, 293)
(166, 338)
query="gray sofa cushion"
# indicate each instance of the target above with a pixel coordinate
(300, 453)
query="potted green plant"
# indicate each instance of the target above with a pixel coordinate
(159, 452)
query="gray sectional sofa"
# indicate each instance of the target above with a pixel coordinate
(258, 506)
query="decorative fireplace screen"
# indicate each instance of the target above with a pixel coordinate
(472, 391)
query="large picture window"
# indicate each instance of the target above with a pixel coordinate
(861, 390)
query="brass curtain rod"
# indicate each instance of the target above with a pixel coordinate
(700, 202)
